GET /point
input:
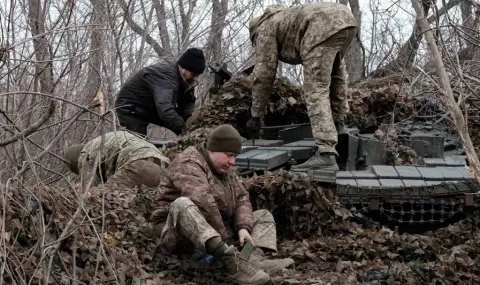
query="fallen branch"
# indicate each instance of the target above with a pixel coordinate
(454, 109)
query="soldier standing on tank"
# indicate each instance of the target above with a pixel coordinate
(126, 160)
(316, 36)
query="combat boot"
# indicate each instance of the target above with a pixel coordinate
(242, 271)
(270, 266)
(320, 161)
(341, 128)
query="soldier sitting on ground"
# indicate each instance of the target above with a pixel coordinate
(202, 207)
(126, 160)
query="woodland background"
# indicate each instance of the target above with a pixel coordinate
(56, 55)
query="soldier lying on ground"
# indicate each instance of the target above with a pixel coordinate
(126, 160)
(316, 36)
(202, 206)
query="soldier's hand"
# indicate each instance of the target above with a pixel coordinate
(253, 125)
(243, 236)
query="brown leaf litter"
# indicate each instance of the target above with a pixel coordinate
(110, 241)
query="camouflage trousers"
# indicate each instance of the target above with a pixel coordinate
(325, 86)
(186, 230)
(139, 172)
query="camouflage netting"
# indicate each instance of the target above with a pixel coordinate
(191, 138)
(369, 109)
(400, 151)
(231, 105)
(298, 205)
(329, 247)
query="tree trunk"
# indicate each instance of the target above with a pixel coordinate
(96, 53)
(214, 46)
(469, 32)
(186, 19)
(43, 56)
(355, 57)
(159, 6)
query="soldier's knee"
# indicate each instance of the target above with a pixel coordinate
(263, 215)
(182, 202)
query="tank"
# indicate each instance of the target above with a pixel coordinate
(439, 190)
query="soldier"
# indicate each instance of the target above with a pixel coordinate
(126, 160)
(202, 206)
(161, 94)
(316, 36)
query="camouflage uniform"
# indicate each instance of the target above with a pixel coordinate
(316, 36)
(125, 159)
(195, 203)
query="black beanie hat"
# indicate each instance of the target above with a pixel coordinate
(193, 60)
(225, 138)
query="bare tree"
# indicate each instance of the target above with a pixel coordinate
(355, 57)
(469, 31)
(408, 51)
(219, 13)
(93, 83)
(159, 6)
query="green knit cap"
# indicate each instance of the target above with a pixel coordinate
(225, 138)
(71, 155)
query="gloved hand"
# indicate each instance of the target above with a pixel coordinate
(253, 125)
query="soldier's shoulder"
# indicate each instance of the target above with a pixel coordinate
(191, 153)
(188, 161)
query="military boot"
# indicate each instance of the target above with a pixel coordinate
(242, 271)
(270, 266)
(341, 128)
(320, 161)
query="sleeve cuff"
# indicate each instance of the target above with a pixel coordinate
(247, 227)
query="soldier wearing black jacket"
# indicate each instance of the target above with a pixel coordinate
(161, 94)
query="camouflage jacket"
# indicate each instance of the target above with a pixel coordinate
(119, 148)
(283, 34)
(222, 199)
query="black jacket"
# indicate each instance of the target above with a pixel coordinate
(158, 94)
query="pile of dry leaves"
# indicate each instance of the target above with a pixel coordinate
(107, 240)
(104, 240)
(382, 256)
